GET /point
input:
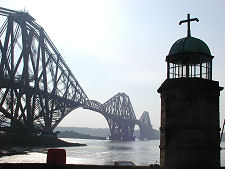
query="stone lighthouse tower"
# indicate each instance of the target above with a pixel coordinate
(189, 132)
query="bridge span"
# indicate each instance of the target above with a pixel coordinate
(37, 88)
(121, 118)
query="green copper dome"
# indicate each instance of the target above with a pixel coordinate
(189, 45)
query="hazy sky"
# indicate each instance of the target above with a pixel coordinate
(116, 46)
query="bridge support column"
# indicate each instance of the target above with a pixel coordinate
(121, 130)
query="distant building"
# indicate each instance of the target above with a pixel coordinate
(190, 130)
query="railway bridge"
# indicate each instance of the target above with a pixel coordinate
(37, 88)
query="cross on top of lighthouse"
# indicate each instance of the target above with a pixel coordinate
(188, 20)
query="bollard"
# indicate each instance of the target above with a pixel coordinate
(56, 156)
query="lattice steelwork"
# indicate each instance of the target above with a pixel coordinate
(37, 89)
(145, 126)
(93, 105)
(120, 116)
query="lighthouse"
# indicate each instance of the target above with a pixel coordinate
(190, 128)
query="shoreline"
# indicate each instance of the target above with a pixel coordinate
(73, 134)
(34, 140)
(16, 145)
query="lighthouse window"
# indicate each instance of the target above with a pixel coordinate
(202, 70)
(175, 70)
(197, 70)
(206, 70)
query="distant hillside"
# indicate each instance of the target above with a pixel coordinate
(102, 132)
(72, 134)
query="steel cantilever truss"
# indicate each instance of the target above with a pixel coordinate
(145, 126)
(37, 89)
(121, 118)
(119, 114)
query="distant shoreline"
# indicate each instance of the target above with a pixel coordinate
(73, 134)
(101, 132)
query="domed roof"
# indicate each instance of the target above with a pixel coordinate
(189, 45)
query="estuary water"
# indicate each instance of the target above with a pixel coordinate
(101, 152)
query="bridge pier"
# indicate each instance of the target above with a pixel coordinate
(145, 133)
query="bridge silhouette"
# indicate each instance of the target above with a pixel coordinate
(37, 88)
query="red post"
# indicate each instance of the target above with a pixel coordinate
(56, 156)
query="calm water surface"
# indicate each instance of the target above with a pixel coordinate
(101, 152)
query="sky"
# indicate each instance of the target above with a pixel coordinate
(116, 46)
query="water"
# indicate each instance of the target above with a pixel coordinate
(106, 152)
(101, 152)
